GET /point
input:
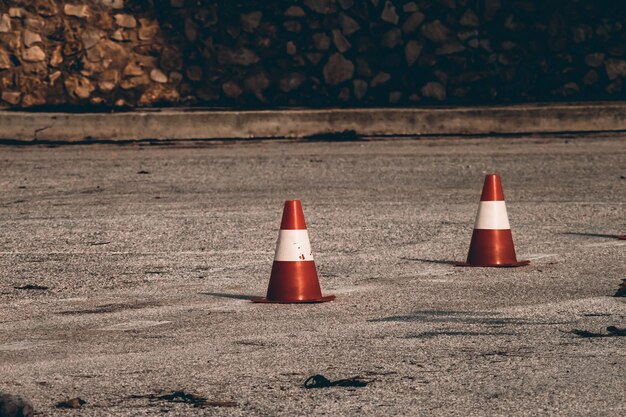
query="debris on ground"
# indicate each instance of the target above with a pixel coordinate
(616, 331)
(72, 403)
(33, 287)
(15, 406)
(621, 291)
(187, 398)
(613, 332)
(320, 381)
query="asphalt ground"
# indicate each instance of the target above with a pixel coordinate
(125, 273)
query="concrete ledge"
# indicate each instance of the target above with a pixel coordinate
(184, 124)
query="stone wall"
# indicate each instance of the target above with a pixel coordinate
(128, 53)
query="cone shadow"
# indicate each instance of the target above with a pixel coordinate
(463, 317)
(591, 235)
(226, 295)
(430, 261)
(433, 334)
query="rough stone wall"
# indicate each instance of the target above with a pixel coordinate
(261, 53)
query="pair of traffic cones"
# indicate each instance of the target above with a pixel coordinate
(294, 276)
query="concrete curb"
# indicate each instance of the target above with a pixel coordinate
(185, 124)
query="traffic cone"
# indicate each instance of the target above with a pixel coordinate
(294, 276)
(492, 241)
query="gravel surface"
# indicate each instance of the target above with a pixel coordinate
(125, 273)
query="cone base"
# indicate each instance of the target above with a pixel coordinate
(492, 248)
(507, 265)
(316, 301)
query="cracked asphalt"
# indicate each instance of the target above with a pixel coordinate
(125, 273)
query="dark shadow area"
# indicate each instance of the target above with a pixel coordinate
(587, 335)
(590, 235)
(345, 136)
(465, 317)
(431, 335)
(612, 331)
(320, 381)
(75, 108)
(33, 287)
(110, 308)
(251, 343)
(85, 141)
(519, 354)
(232, 296)
(196, 401)
(430, 261)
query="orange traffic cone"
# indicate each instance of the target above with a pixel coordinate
(492, 241)
(294, 276)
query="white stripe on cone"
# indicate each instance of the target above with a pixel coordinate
(293, 246)
(492, 216)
